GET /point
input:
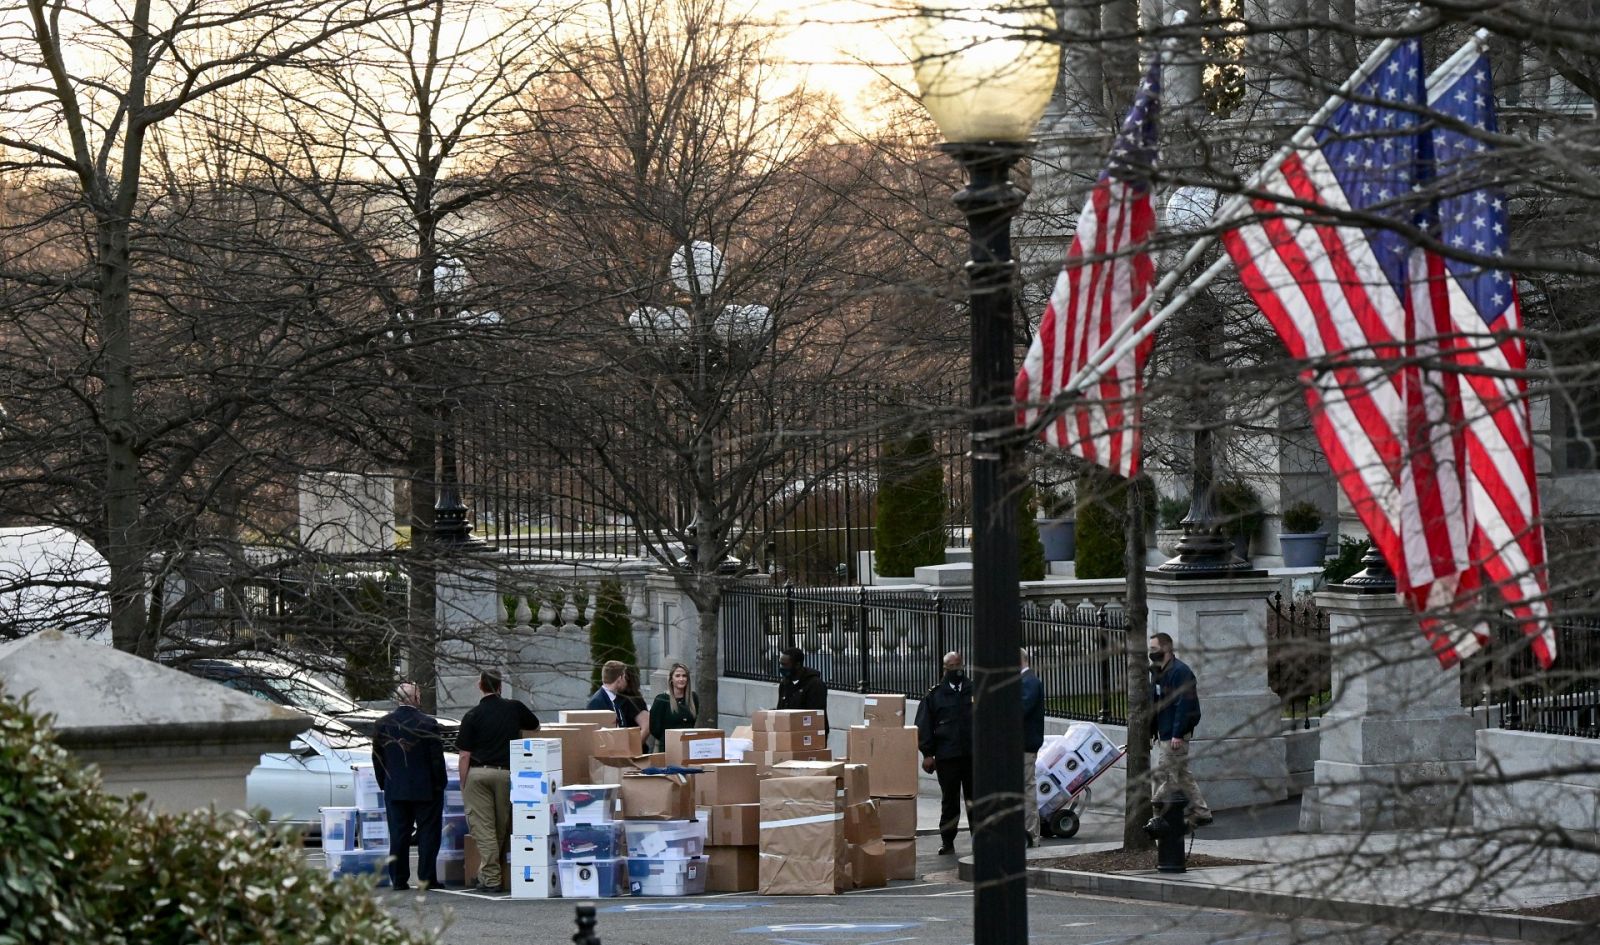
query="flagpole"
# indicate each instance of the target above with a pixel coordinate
(1118, 344)
(1097, 368)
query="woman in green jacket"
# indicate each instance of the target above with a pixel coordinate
(675, 708)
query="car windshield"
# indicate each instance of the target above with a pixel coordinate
(299, 689)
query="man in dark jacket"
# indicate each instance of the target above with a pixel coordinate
(944, 736)
(1176, 704)
(801, 687)
(408, 760)
(1032, 741)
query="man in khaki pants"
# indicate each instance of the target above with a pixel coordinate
(1176, 704)
(1032, 741)
(484, 743)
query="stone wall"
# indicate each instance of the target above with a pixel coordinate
(1538, 782)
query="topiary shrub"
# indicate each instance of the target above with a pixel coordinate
(1030, 551)
(1302, 518)
(1238, 508)
(911, 507)
(1102, 523)
(80, 865)
(611, 631)
(1172, 511)
(1348, 561)
(369, 670)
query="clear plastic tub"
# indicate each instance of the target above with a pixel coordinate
(667, 876)
(666, 838)
(592, 841)
(592, 879)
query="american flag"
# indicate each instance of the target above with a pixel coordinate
(1106, 276)
(1474, 306)
(1335, 286)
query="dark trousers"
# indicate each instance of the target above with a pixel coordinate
(955, 779)
(427, 819)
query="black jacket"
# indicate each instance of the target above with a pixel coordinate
(1032, 712)
(944, 721)
(805, 691)
(1176, 704)
(408, 755)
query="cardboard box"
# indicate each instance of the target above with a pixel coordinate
(611, 770)
(802, 837)
(734, 825)
(857, 784)
(883, 711)
(891, 755)
(769, 759)
(787, 720)
(790, 741)
(577, 747)
(657, 797)
(534, 851)
(900, 859)
(600, 717)
(869, 865)
(618, 742)
(733, 869)
(450, 869)
(536, 755)
(534, 785)
(898, 815)
(536, 882)
(532, 818)
(727, 784)
(801, 768)
(693, 747)
(861, 824)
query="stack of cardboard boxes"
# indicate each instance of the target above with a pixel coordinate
(666, 844)
(803, 850)
(536, 775)
(727, 798)
(780, 735)
(887, 746)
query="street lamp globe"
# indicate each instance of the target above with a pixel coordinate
(985, 68)
(742, 324)
(662, 325)
(1189, 209)
(697, 266)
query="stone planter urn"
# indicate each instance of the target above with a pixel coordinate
(1304, 550)
(1059, 536)
(1167, 541)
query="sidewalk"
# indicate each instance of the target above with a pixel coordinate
(1432, 880)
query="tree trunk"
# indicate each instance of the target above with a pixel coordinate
(708, 609)
(1136, 802)
(422, 637)
(125, 545)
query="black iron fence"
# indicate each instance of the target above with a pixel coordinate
(866, 640)
(1563, 700)
(1299, 661)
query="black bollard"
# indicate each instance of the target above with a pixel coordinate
(585, 920)
(1167, 828)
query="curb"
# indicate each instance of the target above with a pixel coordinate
(1418, 918)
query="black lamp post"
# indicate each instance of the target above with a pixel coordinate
(452, 525)
(986, 77)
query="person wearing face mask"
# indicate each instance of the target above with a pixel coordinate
(944, 736)
(801, 687)
(1176, 703)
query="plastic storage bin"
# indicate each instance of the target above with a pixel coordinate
(374, 828)
(666, 838)
(453, 833)
(358, 863)
(667, 876)
(587, 803)
(593, 879)
(592, 841)
(341, 829)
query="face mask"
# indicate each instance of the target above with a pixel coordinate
(954, 676)
(787, 672)
(1155, 657)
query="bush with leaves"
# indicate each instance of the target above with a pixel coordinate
(1172, 510)
(1348, 561)
(1302, 518)
(1102, 528)
(611, 632)
(911, 507)
(82, 865)
(1030, 550)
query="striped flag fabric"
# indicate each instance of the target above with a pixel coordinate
(1474, 306)
(1335, 286)
(1106, 276)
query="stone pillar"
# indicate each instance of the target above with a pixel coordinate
(1219, 627)
(1397, 749)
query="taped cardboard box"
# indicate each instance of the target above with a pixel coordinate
(733, 869)
(765, 761)
(657, 797)
(857, 784)
(861, 824)
(898, 817)
(892, 756)
(900, 859)
(787, 720)
(884, 711)
(790, 741)
(809, 769)
(577, 747)
(734, 825)
(611, 770)
(618, 742)
(869, 865)
(692, 747)
(601, 717)
(727, 784)
(802, 837)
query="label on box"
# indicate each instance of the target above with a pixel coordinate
(705, 749)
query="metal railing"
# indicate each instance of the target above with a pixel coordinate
(1299, 659)
(1564, 700)
(869, 640)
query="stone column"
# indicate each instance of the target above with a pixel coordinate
(1397, 749)
(1219, 627)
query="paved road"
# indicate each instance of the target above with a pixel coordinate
(933, 911)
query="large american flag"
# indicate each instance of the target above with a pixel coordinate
(1106, 276)
(1474, 306)
(1323, 260)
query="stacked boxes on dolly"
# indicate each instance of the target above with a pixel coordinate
(888, 748)
(592, 845)
(536, 773)
(1065, 767)
(355, 840)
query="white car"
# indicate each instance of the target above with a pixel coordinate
(316, 772)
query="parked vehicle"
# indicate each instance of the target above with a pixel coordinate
(316, 772)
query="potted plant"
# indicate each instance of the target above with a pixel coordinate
(1170, 513)
(1239, 514)
(1057, 523)
(1302, 539)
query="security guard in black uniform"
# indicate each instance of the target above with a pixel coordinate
(944, 735)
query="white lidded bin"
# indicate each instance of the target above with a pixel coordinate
(667, 876)
(536, 754)
(533, 818)
(534, 851)
(594, 879)
(535, 882)
(341, 829)
(666, 838)
(587, 803)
